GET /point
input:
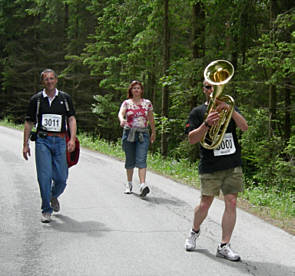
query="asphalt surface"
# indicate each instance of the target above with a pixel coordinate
(101, 231)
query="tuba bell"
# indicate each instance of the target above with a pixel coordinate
(218, 73)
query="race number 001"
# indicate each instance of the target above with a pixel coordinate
(225, 144)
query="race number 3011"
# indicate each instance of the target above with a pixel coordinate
(52, 122)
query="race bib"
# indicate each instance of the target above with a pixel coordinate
(52, 122)
(227, 146)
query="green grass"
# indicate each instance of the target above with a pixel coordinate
(278, 202)
(278, 205)
(7, 123)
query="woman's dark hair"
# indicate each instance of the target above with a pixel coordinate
(133, 83)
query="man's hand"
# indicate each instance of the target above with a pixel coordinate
(26, 148)
(221, 106)
(26, 151)
(73, 130)
(71, 145)
(212, 118)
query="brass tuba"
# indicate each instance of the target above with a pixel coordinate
(218, 73)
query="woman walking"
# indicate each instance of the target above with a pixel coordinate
(135, 114)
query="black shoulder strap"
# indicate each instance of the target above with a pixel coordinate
(65, 100)
(38, 105)
(67, 109)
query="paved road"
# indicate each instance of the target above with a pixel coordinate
(101, 231)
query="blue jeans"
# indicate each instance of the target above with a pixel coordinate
(52, 168)
(135, 152)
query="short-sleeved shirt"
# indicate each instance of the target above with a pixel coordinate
(52, 115)
(227, 155)
(137, 115)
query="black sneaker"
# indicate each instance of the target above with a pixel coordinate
(55, 204)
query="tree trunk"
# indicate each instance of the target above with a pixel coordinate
(287, 110)
(66, 21)
(272, 89)
(272, 99)
(165, 91)
(198, 43)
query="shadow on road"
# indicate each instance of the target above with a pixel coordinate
(161, 200)
(66, 224)
(251, 267)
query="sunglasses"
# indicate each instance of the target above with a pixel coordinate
(208, 87)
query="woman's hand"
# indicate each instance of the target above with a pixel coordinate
(123, 123)
(153, 137)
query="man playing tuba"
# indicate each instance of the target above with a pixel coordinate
(219, 169)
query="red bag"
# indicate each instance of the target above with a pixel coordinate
(73, 157)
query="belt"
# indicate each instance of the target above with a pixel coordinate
(58, 134)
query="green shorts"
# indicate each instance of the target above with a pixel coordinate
(228, 181)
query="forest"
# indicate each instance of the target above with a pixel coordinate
(98, 47)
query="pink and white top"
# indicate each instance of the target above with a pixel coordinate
(137, 115)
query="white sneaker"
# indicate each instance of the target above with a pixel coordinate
(143, 190)
(46, 217)
(227, 253)
(128, 188)
(190, 242)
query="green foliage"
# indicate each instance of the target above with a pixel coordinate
(259, 153)
(111, 53)
(284, 171)
(107, 119)
(184, 150)
(275, 50)
(268, 158)
(269, 162)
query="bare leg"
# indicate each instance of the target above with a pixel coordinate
(129, 174)
(229, 217)
(142, 174)
(201, 211)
